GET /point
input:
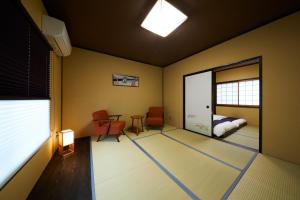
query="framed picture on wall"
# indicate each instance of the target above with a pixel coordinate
(125, 80)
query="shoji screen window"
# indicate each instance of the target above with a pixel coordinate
(227, 93)
(249, 93)
(238, 93)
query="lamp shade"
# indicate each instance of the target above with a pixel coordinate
(66, 137)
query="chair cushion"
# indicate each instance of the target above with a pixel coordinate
(100, 115)
(156, 112)
(155, 121)
(101, 129)
(116, 127)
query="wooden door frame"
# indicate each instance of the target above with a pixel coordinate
(242, 63)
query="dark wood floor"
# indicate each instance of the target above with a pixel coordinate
(68, 178)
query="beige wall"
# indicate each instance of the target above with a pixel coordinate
(22, 183)
(250, 71)
(250, 114)
(87, 87)
(279, 44)
(55, 110)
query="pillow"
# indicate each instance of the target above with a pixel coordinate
(219, 130)
(229, 126)
(218, 117)
(239, 122)
(236, 123)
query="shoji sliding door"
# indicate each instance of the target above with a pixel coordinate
(198, 100)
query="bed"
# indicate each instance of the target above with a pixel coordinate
(224, 126)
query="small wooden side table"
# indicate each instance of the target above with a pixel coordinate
(139, 119)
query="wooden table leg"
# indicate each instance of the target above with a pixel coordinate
(137, 127)
(142, 124)
(139, 122)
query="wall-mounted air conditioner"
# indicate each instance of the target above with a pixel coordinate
(57, 35)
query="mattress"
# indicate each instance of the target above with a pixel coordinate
(223, 124)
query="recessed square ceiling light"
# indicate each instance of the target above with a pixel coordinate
(163, 18)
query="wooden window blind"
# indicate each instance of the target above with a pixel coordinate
(24, 55)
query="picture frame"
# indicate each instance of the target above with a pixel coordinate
(125, 80)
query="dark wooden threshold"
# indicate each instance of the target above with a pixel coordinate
(235, 105)
(68, 178)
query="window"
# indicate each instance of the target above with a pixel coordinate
(227, 93)
(24, 127)
(24, 89)
(238, 93)
(249, 93)
(24, 56)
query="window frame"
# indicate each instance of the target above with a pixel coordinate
(238, 82)
(33, 28)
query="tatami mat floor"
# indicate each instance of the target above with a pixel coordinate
(247, 136)
(269, 178)
(204, 176)
(228, 153)
(178, 164)
(149, 131)
(122, 171)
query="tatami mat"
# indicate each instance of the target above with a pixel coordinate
(243, 140)
(150, 131)
(184, 165)
(122, 171)
(249, 131)
(145, 133)
(168, 128)
(247, 136)
(233, 155)
(204, 176)
(269, 178)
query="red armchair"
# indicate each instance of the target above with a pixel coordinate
(105, 125)
(155, 117)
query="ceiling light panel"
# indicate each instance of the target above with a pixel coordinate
(163, 18)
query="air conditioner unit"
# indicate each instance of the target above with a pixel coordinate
(57, 35)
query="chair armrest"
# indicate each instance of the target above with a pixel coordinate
(106, 120)
(117, 116)
(103, 121)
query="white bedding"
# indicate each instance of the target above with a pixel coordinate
(218, 117)
(222, 128)
(239, 122)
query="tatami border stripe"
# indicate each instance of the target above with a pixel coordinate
(237, 180)
(206, 154)
(92, 171)
(239, 145)
(170, 130)
(137, 138)
(169, 174)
